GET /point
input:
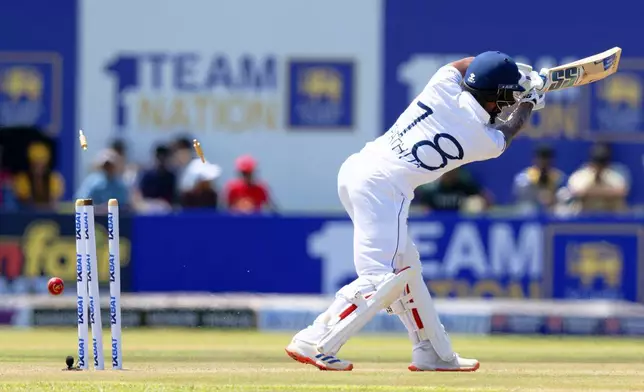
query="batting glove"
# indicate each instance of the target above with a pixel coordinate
(537, 99)
(530, 80)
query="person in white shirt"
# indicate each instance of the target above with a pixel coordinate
(450, 123)
(598, 187)
(188, 167)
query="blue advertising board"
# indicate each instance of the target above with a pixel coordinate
(38, 72)
(461, 257)
(482, 257)
(420, 36)
(198, 252)
(595, 261)
(36, 246)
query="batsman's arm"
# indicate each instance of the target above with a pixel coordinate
(516, 121)
(462, 64)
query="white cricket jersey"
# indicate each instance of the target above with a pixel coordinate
(442, 129)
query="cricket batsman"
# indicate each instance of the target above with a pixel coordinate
(451, 123)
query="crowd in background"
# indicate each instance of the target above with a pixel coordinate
(174, 179)
(597, 186)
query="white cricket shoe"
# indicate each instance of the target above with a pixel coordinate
(425, 359)
(307, 353)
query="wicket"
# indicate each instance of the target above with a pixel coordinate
(87, 289)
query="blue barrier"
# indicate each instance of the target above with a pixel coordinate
(482, 257)
(462, 257)
(35, 247)
(195, 252)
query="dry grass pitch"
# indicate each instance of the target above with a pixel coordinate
(208, 360)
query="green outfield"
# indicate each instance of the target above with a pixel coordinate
(207, 360)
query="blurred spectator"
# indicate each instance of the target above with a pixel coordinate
(40, 186)
(157, 187)
(598, 186)
(616, 166)
(6, 186)
(203, 194)
(190, 172)
(105, 182)
(535, 187)
(182, 156)
(245, 193)
(454, 191)
(6, 191)
(127, 170)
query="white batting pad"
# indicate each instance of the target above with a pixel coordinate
(362, 309)
(416, 310)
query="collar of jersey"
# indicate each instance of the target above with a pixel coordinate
(466, 100)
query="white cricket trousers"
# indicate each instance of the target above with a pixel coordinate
(379, 214)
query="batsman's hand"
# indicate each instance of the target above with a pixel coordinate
(536, 98)
(524, 67)
(530, 80)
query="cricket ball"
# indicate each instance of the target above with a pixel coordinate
(55, 286)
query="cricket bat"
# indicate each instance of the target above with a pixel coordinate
(580, 72)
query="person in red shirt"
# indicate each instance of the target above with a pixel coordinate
(245, 193)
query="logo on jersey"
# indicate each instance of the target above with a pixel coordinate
(320, 94)
(430, 155)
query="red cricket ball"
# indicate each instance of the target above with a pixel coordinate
(56, 286)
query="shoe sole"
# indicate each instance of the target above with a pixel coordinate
(470, 369)
(308, 361)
